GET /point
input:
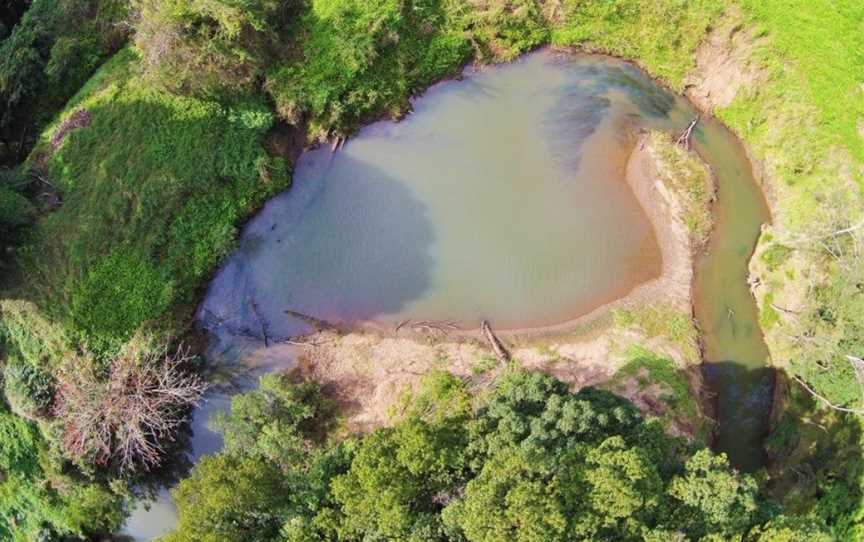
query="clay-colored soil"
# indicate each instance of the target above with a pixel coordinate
(723, 66)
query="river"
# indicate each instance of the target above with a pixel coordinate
(502, 196)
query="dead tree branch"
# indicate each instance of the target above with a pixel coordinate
(684, 139)
(828, 403)
(129, 417)
(318, 324)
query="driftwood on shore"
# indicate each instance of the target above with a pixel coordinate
(684, 139)
(500, 352)
(443, 327)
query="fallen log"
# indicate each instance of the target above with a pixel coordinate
(319, 325)
(500, 352)
(261, 322)
(684, 139)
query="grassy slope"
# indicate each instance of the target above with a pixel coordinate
(660, 35)
(152, 192)
(805, 122)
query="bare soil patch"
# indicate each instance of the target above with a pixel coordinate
(723, 65)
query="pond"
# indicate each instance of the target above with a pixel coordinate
(502, 196)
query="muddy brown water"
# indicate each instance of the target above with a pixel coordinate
(501, 197)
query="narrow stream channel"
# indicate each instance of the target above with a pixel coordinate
(734, 350)
(501, 197)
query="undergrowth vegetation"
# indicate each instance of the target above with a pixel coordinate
(690, 180)
(679, 408)
(664, 321)
(153, 189)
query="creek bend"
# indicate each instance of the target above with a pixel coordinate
(501, 196)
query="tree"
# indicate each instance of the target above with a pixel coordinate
(714, 499)
(127, 419)
(277, 422)
(230, 498)
(534, 463)
(399, 479)
(626, 491)
(511, 499)
(47, 57)
(537, 413)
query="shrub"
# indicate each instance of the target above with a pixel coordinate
(125, 419)
(504, 29)
(208, 46)
(365, 58)
(31, 508)
(118, 293)
(29, 390)
(26, 333)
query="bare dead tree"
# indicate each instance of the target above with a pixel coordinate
(131, 415)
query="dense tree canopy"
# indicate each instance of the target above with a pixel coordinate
(534, 463)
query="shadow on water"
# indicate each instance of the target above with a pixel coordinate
(586, 99)
(741, 411)
(363, 241)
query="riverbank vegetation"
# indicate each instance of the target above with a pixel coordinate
(126, 188)
(530, 461)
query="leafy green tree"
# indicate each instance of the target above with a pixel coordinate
(230, 498)
(511, 499)
(626, 491)
(537, 413)
(276, 422)
(786, 528)
(48, 56)
(714, 498)
(398, 479)
(534, 463)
